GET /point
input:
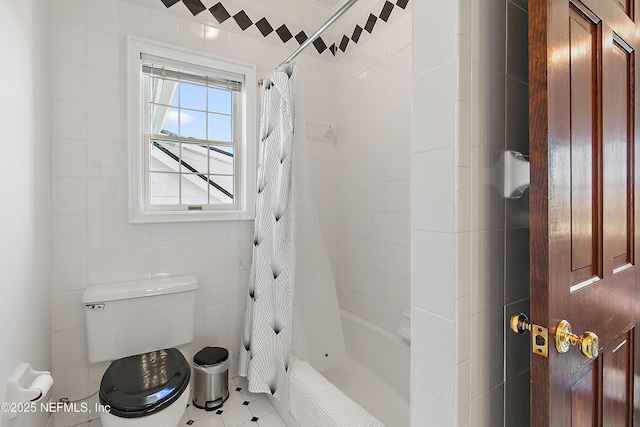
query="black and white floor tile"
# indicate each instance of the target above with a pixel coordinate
(242, 409)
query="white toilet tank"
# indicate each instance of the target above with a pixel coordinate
(128, 318)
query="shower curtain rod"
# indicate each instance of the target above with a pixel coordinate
(320, 30)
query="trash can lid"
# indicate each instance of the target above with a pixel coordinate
(211, 356)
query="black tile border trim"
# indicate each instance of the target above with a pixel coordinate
(265, 27)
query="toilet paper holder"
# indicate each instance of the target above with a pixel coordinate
(27, 385)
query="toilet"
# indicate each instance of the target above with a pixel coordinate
(137, 325)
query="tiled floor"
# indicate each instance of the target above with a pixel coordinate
(243, 409)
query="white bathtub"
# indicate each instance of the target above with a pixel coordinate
(376, 373)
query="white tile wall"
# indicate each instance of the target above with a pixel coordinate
(92, 241)
(457, 133)
(372, 161)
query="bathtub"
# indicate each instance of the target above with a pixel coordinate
(375, 374)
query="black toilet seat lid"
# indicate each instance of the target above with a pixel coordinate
(139, 385)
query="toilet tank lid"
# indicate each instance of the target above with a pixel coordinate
(138, 289)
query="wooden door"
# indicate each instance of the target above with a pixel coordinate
(584, 208)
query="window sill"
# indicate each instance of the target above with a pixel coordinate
(191, 216)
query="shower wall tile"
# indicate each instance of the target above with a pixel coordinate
(92, 241)
(372, 174)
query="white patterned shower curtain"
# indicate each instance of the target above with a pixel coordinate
(266, 341)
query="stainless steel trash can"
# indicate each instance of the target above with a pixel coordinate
(211, 378)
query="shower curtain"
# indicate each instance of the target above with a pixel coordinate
(266, 341)
(288, 254)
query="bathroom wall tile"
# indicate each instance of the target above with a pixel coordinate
(487, 270)
(487, 206)
(190, 34)
(104, 15)
(433, 273)
(239, 47)
(488, 33)
(103, 50)
(463, 376)
(68, 81)
(68, 233)
(97, 116)
(487, 358)
(67, 311)
(216, 41)
(435, 32)
(517, 119)
(68, 157)
(71, 383)
(517, 42)
(69, 196)
(69, 348)
(516, 394)
(68, 43)
(463, 134)
(135, 264)
(103, 86)
(68, 271)
(433, 206)
(517, 264)
(463, 329)
(216, 319)
(104, 196)
(192, 259)
(426, 406)
(487, 410)
(488, 119)
(438, 376)
(165, 234)
(69, 11)
(134, 19)
(103, 267)
(165, 261)
(434, 107)
(103, 159)
(68, 120)
(164, 27)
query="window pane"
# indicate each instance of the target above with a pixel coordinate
(194, 189)
(193, 96)
(193, 124)
(164, 189)
(219, 127)
(221, 160)
(164, 156)
(165, 120)
(194, 158)
(221, 189)
(219, 100)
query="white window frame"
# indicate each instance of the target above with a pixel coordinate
(140, 211)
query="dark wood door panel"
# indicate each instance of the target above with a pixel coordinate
(586, 224)
(582, 200)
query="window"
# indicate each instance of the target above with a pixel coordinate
(191, 130)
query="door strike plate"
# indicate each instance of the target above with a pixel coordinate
(540, 340)
(539, 334)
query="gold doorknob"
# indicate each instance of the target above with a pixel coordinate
(588, 342)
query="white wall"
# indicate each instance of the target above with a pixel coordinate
(24, 186)
(370, 172)
(92, 240)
